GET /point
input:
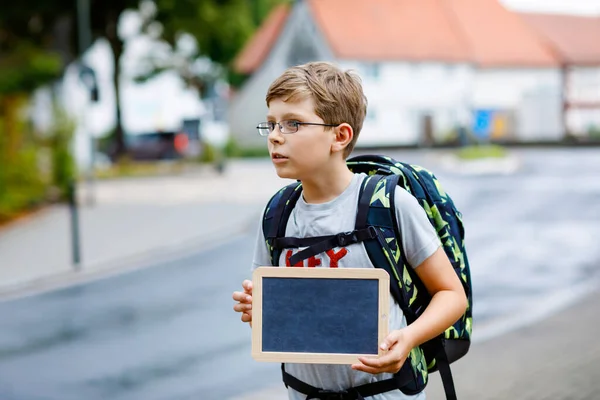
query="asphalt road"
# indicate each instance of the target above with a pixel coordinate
(168, 331)
(165, 332)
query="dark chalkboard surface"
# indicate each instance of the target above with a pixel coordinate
(318, 315)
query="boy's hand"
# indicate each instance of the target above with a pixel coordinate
(398, 347)
(244, 302)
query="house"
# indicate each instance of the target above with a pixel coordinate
(575, 40)
(428, 67)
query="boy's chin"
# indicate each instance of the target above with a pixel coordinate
(285, 173)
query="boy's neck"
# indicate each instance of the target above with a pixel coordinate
(327, 186)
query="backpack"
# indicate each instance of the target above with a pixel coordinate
(376, 227)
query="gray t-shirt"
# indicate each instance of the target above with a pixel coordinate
(419, 241)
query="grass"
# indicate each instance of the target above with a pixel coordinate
(141, 169)
(481, 151)
(233, 150)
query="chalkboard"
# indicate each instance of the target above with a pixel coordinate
(318, 315)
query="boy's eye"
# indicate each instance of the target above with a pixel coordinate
(271, 126)
(291, 124)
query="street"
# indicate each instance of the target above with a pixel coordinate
(167, 331)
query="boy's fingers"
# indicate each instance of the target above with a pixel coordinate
(241, 297)
(247, 285)
(376, 365)
(374, 362)
(246, 317)
(364, 368)
(372, 365)
(241, 307)
(390, 340)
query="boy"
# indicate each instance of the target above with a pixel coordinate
(316, 112)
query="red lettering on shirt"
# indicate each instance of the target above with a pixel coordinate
(335, 257)
(288, 255)
(314, 262)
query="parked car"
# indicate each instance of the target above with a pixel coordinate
(162, 145)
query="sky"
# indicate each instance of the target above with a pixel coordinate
(582, 7)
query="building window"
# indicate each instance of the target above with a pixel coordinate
(371, 70)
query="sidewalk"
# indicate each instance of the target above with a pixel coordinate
(557, 359)
(134, 221)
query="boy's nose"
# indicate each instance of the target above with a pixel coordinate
(275, 136)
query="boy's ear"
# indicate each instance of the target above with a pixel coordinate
(343, 137)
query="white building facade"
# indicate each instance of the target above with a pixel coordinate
(413, 102)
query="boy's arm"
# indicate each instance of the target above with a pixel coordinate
(447, 304)
(423, 250)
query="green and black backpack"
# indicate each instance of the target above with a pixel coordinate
(376, 227)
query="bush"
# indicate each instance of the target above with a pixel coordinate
(594, 132)
(234, 150)
(481, 151)
(21, 185)
(209, 154)
(25, 179)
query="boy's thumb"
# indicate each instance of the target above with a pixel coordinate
(389, 341)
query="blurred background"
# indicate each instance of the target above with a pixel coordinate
(132, 178)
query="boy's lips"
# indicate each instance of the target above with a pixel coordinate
(277, 158)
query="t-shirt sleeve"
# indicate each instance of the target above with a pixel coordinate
(261, 255)
(419, 239)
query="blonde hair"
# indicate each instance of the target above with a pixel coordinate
(338, 95)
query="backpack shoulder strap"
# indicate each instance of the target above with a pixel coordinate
(276, 216)
(375, 209)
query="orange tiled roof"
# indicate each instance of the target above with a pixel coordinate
(258, 47)
(576, 39)
(389, 29)
(497, 37)
(482, 32)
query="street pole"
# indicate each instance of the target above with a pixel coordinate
(74, 213)
(85, 41)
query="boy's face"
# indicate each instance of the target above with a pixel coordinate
(302, 154)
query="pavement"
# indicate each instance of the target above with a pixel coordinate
(131, 222)
(555, 358)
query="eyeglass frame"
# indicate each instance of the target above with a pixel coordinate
(298, 124)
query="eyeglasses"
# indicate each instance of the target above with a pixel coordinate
(288, 126)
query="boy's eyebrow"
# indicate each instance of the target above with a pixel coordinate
(286, 116)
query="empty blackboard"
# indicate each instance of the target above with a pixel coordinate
(318, 315)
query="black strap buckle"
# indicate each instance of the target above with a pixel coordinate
(346, 238)
(372, 232)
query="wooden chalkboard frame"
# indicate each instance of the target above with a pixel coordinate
(327, 273)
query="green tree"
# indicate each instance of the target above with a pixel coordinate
(105, 16)
(219, 28)
(52, 26)
(26, 63)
